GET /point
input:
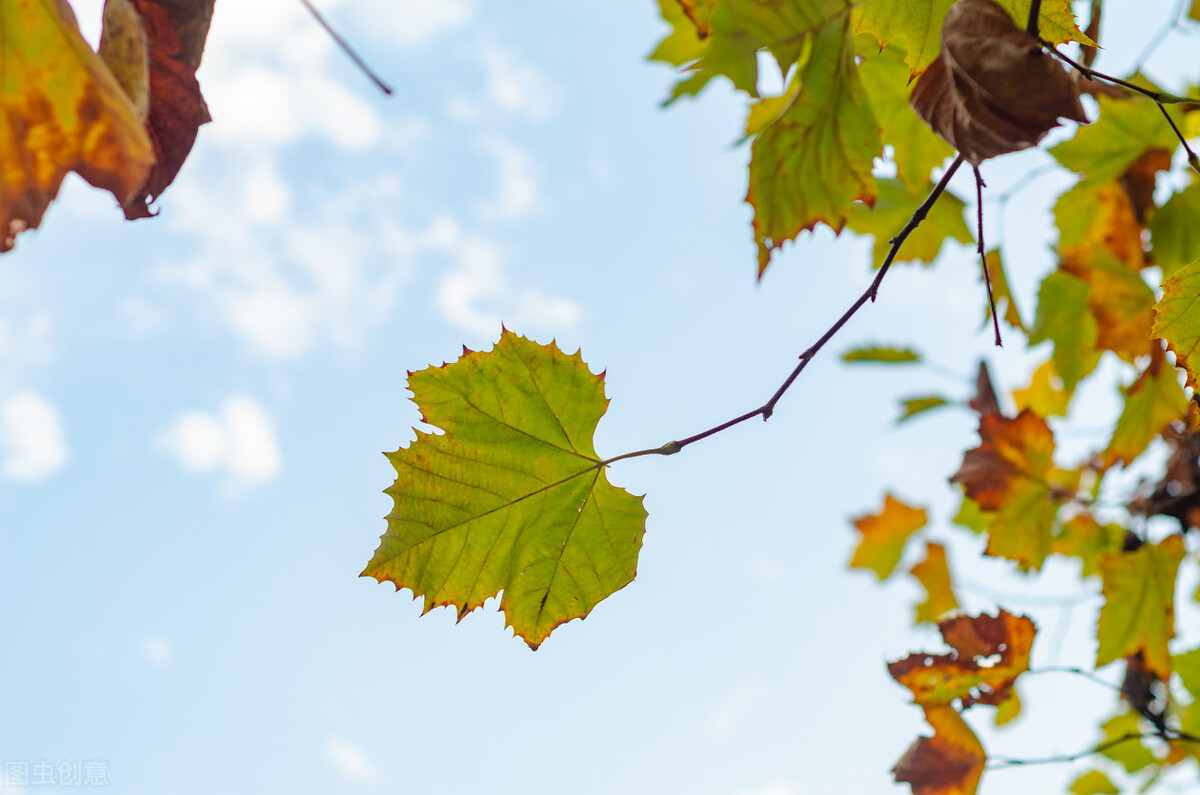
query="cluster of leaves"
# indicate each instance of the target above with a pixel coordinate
(124, 118)
(512, 497)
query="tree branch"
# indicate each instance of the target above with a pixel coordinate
(767, 409)
(1035, 10)
(346, 48)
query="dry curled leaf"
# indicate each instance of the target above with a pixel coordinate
(993, 90)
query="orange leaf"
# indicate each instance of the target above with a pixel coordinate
(176, 33)
(884, 535)
(989, 654)
(62, 111)
(948, 763)
(993, 90)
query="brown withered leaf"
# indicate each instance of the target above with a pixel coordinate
(176, 31)
(993, 90)
(948, 763)
(989, 653)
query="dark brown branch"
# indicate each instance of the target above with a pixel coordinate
(987, 276)
(1035, 11)
(767, 409)
(347, 49)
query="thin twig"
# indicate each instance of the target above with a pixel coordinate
(1158, 37)
(1061, 669)
(987, 276)
(1161, 97)
(346, 48)
(767, 409)
(1193, 161)
(997, 763)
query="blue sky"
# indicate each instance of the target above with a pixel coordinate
(193, 410)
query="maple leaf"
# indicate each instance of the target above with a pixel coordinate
(911, 407)
(512, 496)
(1131, 754)
(993, 90)
(1126, 129)
(919, 23)
(894, 205)
(1174, 233)
(176, 31)
(1093, 782)
(934, 576)
(1063, 317)
(1152, 402)
(62, 111)
(989, 653)
(884, 535)
(814, 162)
(1120, 301)
(1009, 474)
(1044, 396)
(948, 763)
(916, 149)
(1098, 218)
(1083, 537)
(1138, 614)
(1177, 317)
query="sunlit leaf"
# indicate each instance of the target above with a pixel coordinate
(1093, 782)
(972, 517)
(1187, 665)
(1008, 710)
(989, 653)
(911, 407)
(512, 496)
(1139, 604)
(1094, 218)
(1120, 301)
(1064, 318)
(884, 535)
(1044, 396)
(1083, 537)
(948, 763)
(63, 111)
(894, 205)
(1125, 130)
(934, 576)
(1174, 231)
(1130, 753)
(1151, 403)
(1009, 475)
(814, 163)
(1177, 317)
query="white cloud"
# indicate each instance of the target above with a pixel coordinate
(157, 651)
(777, 786)
(350, 760)
(477, 296)
(511, 88)
(32, 444)
(517, 187)
(238, 441)
(412, 23)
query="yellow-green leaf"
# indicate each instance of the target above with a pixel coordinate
(1083, 537)
(814, 162)
(934, 576)
(1063, 317)
(1126, 129)
(63, 111)
(1174, 231)
(1130, 754)
(1139, 604)
(1152, 402)
(512, 496)
(1177, 317)
(1044, 396)
(879, 354)
(911, 407)
(884, 534)
(894, 206)
(1093, 782)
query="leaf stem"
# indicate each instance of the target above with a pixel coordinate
(767, 409)
(987, 274)
(346, 48)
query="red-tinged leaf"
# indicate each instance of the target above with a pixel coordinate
(1177, 318)
(934, 576)
(814, 162)
(176, 31)
(884, 535)
(948, 763)
(63, 112)
(512, 497)
(1152, 402)
(1139, 604)
(1010, 474)
(993, 90)
(989, 653)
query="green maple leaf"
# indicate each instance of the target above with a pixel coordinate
(916, 148)
(1064, 318)
(894, 206)
(1177, 317)
(1126, 129)
(1151, 403)
(814, 162)
(919, 23)
(1174, 232)
(512, 496)
(1139, 604)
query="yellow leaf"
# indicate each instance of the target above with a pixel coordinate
(63, 111)
(884, 535)
(934, 576)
